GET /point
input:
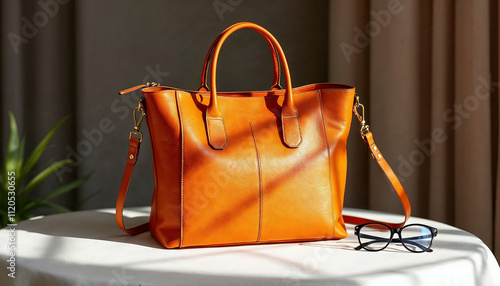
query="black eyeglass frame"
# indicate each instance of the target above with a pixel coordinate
(433, 232)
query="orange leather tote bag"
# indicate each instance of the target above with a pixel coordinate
(252, 167)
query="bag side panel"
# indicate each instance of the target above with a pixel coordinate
(337, 113)
(164, 129)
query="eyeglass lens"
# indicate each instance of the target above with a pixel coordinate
(416, 238)
(374, 237)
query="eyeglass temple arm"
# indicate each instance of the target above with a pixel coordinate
(366, 244)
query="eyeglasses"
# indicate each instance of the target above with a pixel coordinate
(377, 236)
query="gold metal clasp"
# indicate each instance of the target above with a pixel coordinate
(361, 116)
(137, 122)
(137, 134)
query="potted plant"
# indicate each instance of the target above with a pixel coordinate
(19, 182)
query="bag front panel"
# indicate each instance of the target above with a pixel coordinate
(256, 189)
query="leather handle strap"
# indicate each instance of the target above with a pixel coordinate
(216, 130)
(133, 152)
(204, 74)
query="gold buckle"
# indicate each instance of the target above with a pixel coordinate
(137, 122)
(361, 117)
(135, 133)
(152, 84)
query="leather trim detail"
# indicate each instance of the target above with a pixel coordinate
(125, 91)
(181, 123)
(290, 126)
(216, 132)
(329, 160)
(259, 169)
(152, 224)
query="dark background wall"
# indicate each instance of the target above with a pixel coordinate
(86, 51)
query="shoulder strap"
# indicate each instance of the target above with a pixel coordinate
(133, 152)
(367, 137)
(393, 179)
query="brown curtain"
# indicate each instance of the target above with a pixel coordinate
(427, 72)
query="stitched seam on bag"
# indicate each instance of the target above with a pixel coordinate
(268, 95)
(259, 170)
(182, 169)
(163, 89)
(329, 159)
(155, 176)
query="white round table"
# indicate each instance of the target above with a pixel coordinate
(87, 248)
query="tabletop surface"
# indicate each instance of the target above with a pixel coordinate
(87, 248)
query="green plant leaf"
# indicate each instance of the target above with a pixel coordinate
(42, 176)
(15, 160)
(40, 148)
(29, 204)
(37, 203)
(56, 207)
(18, 169)
(68, 187)
(12, 155)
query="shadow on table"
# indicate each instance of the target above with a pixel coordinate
(77, 274)
(351, 246)
(98, 225)
(299, 273)
(101, 225)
